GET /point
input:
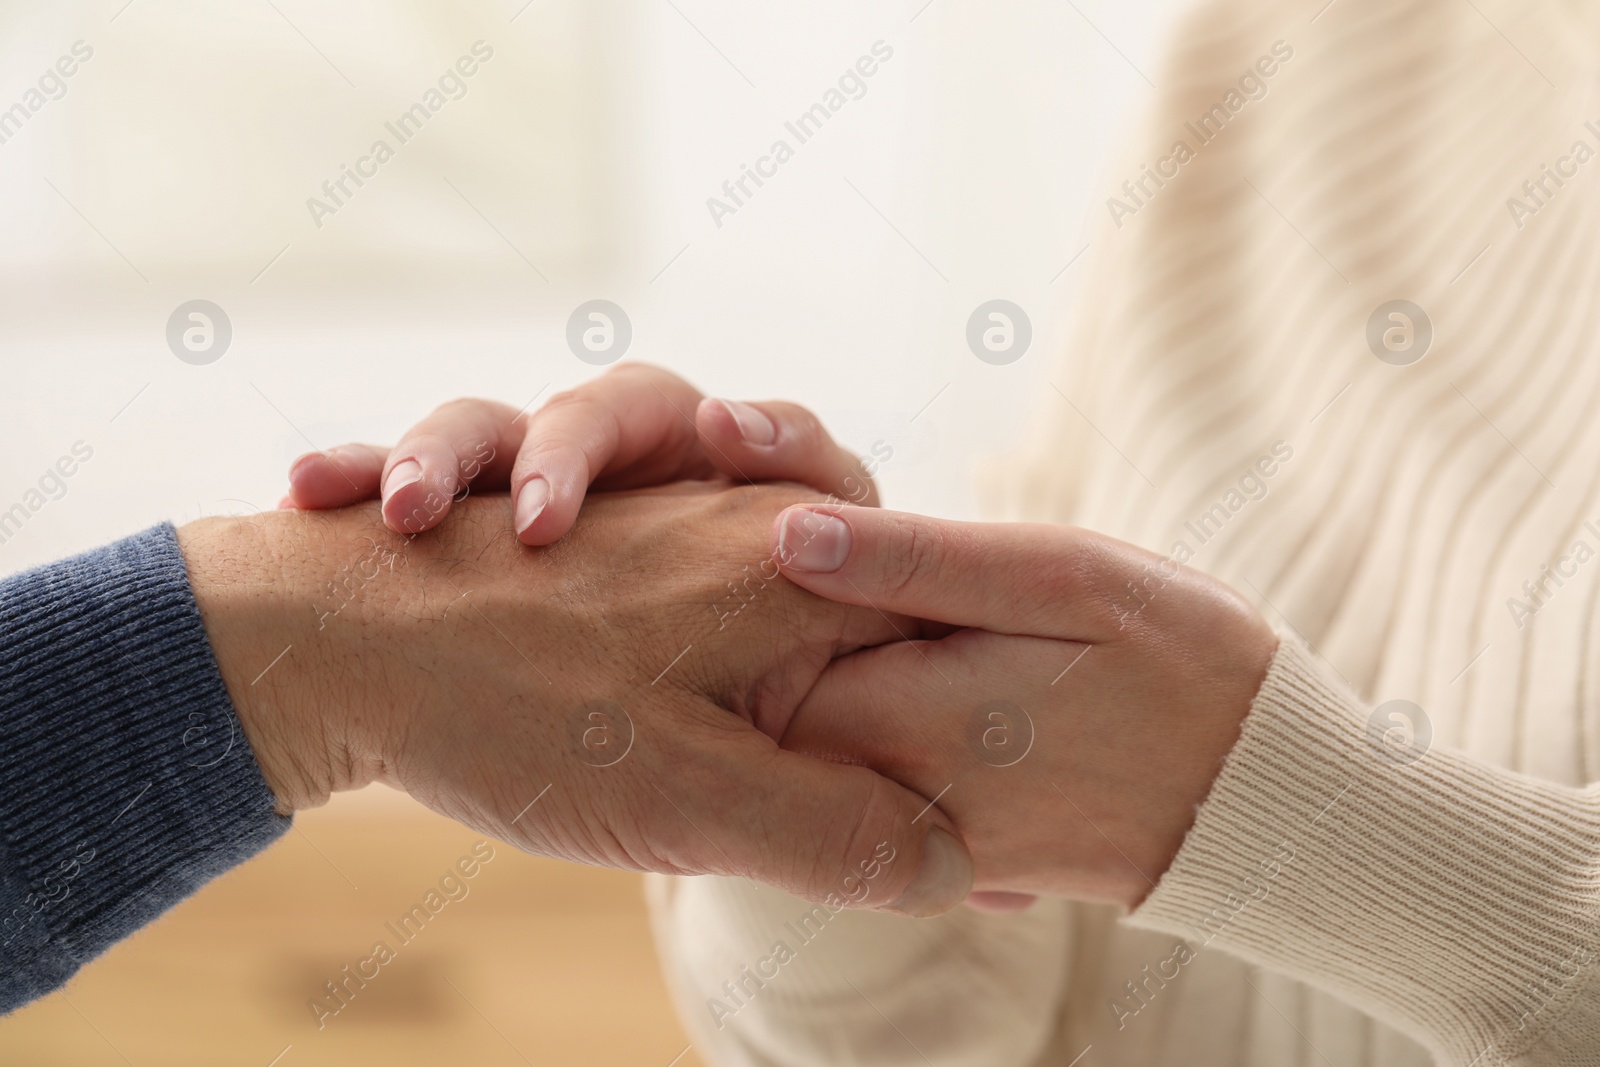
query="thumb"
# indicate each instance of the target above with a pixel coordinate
(839, 835)
(1012, 578)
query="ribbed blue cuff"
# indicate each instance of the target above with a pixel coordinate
(126, 782)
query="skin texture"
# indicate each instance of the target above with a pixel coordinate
(462, 667)
(1161, 663)
(1075, 720)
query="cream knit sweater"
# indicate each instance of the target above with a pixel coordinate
(1431, 537)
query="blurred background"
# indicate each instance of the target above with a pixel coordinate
(179, 160)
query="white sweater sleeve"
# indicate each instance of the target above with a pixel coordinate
(1457, 901)
(962, 990)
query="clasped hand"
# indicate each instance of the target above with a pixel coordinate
(1000, 710)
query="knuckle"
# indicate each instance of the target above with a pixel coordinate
(579, 409)
(858, 485)
(546, 454)
(566, 400)
(914, 557)
(876, 826)
(425, 443)
(461, 408)
(805, 429)
(1071, 570)
(640, 370)
(576, 419)
(1081, 571)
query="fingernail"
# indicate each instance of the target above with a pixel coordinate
(300, 462)
(754, 425)
(531, 501)
(944, 880)
(402, 474)
(813, 541)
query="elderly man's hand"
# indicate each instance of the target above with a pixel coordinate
(611, 700)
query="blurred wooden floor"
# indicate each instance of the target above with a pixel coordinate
(541, 963)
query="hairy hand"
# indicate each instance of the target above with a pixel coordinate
(613, 699)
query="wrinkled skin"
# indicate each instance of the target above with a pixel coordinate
(465, 671)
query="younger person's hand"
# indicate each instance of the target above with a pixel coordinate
(1074, 724)
(633, 427)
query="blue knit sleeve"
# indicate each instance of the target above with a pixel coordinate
(126, 782)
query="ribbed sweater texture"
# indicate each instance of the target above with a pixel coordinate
(126, 782)
(1426, 541)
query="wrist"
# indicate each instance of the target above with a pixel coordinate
(255, 581)
(1232, 686)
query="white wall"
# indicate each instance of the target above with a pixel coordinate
(178, 162)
